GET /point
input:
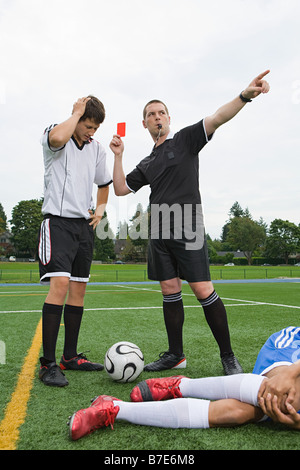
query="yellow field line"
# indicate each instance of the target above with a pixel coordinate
(15, 412)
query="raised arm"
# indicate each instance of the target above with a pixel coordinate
(231, 109)
(63, 132)
(119, 180)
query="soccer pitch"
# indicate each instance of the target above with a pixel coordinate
(34, 417)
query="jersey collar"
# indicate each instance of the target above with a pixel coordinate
(80, 147)
(170, 135)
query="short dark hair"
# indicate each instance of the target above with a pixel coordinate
(94, 110)
(151, 102)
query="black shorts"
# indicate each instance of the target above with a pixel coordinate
(170, 258)
(65, 248)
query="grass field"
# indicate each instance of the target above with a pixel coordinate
(29, 272)
(33, 417)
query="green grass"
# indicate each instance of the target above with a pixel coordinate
(114, 313)
(29, 272)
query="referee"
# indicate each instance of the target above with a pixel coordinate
(73, 163)
(172, 171)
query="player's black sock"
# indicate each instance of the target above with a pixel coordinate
(216, 317)
(51, 322)
(174, 319)
(72, 320)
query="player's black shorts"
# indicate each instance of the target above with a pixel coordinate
(170, 258)
(65, 248)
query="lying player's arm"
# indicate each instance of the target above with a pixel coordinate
(231, 109)
(282, 384)
(63, 132)
(271, 408)
(119, 180)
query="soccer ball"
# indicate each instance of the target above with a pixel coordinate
(124, 362)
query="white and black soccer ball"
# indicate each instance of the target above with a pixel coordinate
(124, 362)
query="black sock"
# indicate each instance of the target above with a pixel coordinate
(174, 319)
(216, 318)
(72, 320)
(51, 323)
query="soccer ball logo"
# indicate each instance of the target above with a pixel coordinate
(124, 362)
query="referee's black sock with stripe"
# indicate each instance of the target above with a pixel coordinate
(174, 319)
(51, 323)
(216, 317)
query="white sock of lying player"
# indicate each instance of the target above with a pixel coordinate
(242, 387)
(179, 413)
(191, 412)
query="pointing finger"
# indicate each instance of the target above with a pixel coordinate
(262, 75)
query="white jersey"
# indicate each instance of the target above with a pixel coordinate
(70, 173)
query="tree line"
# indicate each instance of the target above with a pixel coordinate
(241, 233)
(255, 239)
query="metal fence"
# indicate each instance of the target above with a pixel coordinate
(140, 275)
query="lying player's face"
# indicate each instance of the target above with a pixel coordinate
(85, 130)
(156, 114)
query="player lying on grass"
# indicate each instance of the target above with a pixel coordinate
(272, 390)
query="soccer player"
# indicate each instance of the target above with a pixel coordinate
(177, 248)
(73, 161)
(272, 390)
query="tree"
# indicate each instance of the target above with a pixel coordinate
(235, 211)
(25, 223)
(3, 219)
(122, 232)
(283, 239)
(138, 234)
(104, 244)
(129, 252)
(246, 235)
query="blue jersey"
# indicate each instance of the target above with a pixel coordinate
(282, 348)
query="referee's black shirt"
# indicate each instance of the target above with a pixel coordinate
(172, 169)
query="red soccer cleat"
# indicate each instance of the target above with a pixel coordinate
(102, 412)
(157, 389)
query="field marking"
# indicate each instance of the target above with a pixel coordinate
(117, 308)
(242, 302)
(248, 303)
(16, 410)
(254, 302)
(34, 293)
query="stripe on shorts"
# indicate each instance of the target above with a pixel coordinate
(45, 242)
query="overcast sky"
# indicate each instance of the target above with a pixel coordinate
(194, 55)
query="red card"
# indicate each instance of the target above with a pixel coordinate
(121, 129)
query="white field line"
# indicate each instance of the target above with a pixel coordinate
(106, 309)
(250, 302)
(241, 303)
